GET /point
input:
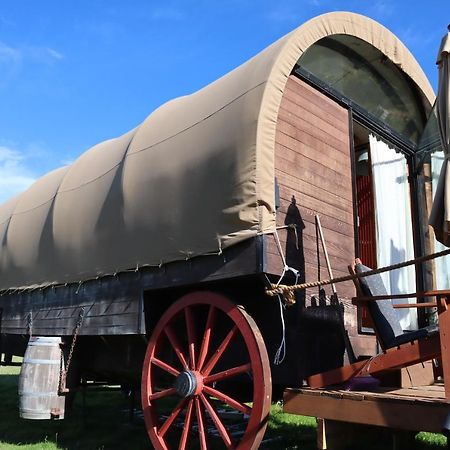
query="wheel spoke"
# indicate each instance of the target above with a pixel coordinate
(191, 336)
(201, 425)
(175, 413)
(217, 422)
(228, 400)
(187, 426)
(162, 394)
(219, 352)
(204, 330)
(175, 345)
(210, 321)
(164, 366)
(219, 376)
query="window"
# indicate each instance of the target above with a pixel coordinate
(363, 74)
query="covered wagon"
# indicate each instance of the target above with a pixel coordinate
(149, 256)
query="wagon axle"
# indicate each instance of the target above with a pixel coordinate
(188, 383)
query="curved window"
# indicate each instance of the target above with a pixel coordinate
(363, 74)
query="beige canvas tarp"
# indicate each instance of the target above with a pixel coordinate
(440, 213)
(195, 177)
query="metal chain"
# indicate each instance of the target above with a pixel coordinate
(64, 372)
(30, 324)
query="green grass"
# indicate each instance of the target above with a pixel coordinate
(105, 426)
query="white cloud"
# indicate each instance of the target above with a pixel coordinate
(54, 54)
(15, 177)
(14, 55)
(42, 55)
(9, 54)
(12, 59)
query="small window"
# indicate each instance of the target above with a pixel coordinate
(360, 72)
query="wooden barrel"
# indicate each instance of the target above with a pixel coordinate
(39, 380)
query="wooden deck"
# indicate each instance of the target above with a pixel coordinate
(421, 408)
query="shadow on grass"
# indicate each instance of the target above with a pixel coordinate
(103, 425)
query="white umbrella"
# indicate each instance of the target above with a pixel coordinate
(440, 212)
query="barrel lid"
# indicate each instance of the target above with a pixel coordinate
(45, 340)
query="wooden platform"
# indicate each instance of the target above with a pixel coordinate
(421, 408)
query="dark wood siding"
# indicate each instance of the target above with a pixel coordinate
(114, 305)
(313, 172)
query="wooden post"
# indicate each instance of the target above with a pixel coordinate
(444, 332)
(337, 435)
(321, 434)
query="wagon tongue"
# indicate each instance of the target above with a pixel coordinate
(188, 383)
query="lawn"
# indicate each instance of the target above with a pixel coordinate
(104, 424)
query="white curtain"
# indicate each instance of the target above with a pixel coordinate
(442, 265)
(393, 223)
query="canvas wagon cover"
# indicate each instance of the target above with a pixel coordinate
(195, 177)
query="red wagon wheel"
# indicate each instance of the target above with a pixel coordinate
(203, 350)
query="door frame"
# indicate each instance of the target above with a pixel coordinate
(408, 148)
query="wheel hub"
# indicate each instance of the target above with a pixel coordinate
(188, 383)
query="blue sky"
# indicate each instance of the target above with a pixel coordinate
(76, 72)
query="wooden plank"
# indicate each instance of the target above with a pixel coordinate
(310, 169)
(337, 145)
(341, 246)
(316, 205)
(310, 257)
(114, 305)
(311, 95)
(402, 415)
(314, 122)
(336, 230)
(307, 100)
(420, 394)
(310, 142)
(289, 147)
(317, 192)
(313, 167)
(402, 356)
(332, 149)
(306, 157)
(303, 217)
(444, 332)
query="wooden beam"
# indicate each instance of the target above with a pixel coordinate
(444, 332)
(335, 376)
(416, 305)
(402, 356)
(114, 304)
(373, 298)
(399, 414)
(405, 355)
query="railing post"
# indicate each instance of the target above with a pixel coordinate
(444, 333)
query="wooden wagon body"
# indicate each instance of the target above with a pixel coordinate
(266, 149)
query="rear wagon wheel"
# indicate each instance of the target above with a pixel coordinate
(202, 351)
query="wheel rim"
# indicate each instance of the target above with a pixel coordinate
(194, 360)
